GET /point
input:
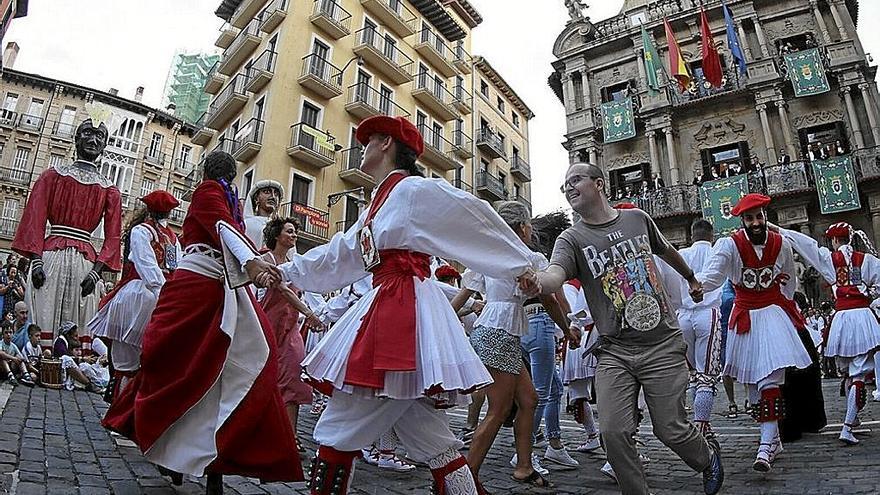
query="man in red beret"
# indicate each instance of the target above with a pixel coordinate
(766, 329)
(851, 267)
(151, 251)
(399, 353)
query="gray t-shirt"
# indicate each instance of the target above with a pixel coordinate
(620, 277)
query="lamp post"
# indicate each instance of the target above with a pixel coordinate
(360, 63)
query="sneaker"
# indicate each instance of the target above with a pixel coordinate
(536, 464)
(876, 395)
(540, 440)
(465, 435)
(847, 437)
(11, 380)
(591, 444)
(371, 455)
(560, 456)
(732, 411)
(763, 460)
(607, 470)
(392, 462)
(713, 476)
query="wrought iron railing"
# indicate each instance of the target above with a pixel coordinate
(489, 182)
(312, 139)
(251, 132)
(333, 11)
(390, 52)
(321, 68)
(313, 221)
(382, 103)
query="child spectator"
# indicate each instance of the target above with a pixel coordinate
(32, 348)
(64, 349)
(12, 361)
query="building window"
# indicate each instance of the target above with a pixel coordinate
(21, 158)
(484, 165)
(515, 117)
(10, 103)
(386, 97)
(185, 155)
(299, 193)
(178, 192)
(66, 122)
(246, 182)
(499, 102)
(577, 83)
(484, 88)
(128, 136)
(155, 149)
(147, 186)
(10, 215)
(436, 134)
(390, 49)
(615, 92)
(56, 160)
(119, 169)
(517, 192)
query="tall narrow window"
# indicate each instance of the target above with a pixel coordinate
(578, 84)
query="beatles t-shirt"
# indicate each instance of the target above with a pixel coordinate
(623, 284)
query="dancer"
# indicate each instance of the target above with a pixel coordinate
(610, 252)
(72, 199)
(151, 252)
(400, 352)
(206, 399)
(763, 336)
(283, 307)
(579, 366)
(262, 206)
(700, 326)
(853, 268)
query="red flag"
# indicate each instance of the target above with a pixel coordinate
(711, 60)
(677, 66)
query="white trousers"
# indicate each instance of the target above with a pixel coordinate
(701, 329)
(352, 422)
(60, 298)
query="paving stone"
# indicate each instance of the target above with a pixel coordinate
(28, 488)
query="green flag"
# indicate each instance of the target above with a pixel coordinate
(717, 199)
(836, 185)
(651, 61)
(617, 120)
(806, 72)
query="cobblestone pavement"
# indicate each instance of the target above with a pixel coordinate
(51, 442)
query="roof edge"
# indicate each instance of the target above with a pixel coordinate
(481, 63)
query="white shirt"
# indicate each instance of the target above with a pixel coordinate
(141, 254)
(819, 257)
(580, 312)
(697, 257)
(726, 263)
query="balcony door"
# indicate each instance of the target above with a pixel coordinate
(34, 117)
(319, 67)
(310, 116)
(436, 135)
(352, 211)
(355, 153)
(386, 98)
(66, 121)
(9, 105)
(390, 49)
(156, 145)
(362, 93)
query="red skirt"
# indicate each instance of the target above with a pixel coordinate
(184, 353)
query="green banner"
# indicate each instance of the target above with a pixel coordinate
(617, 120)
(836, 185)
(718, 197)
(806, 72)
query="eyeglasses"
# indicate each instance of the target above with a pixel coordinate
(573, 181)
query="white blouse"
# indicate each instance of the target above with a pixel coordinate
(504, 301)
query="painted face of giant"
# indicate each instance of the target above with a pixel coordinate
(90, 141)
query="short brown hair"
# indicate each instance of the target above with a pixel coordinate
(274, 227)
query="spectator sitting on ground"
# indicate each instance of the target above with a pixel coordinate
(20, 324)
(63, 349)
(32, 350)
(13, 362)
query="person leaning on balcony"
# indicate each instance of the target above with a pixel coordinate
(657, 182)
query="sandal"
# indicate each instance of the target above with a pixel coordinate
(534, 479)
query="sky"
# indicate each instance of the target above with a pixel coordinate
(124, 44)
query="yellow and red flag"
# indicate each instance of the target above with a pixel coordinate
(677, 66)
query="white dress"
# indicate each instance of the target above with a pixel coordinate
(853, 332)
(422, 215)
(773, 342)
(576, 366)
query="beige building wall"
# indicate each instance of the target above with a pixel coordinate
(38, 118)
(328, 72)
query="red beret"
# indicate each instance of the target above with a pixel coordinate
(625, 206)
(841, 229)
(447, 271)
(160, 201)
(750, 202)
(397, 127)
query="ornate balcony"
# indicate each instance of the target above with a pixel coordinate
(226, 36)
(782, 180)
(463, 145)
(227, 103)
(843, 53)
(154, 157)
(364, 101)
(312, 146)
(434, 95)
(384, 55)
(273, 15)
(490, 187)
(331, 18)
(464, 186)
(240, 49)
(261, 71)
(490, 143)
(520, 168)
(214, 80)
(350, 169)
(15, 177)
(8, 226)
(30, 123)
(177, 216)
(433, 48)
(245, 12)
(183, 167)
(700, 89)
(867, 163)
(438, 150)
(393, 14)
(320, 76)
(314, 223)
(8, 118)
(462, 99)
(248, 140)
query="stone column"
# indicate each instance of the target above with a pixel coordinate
(670, 151)
(585, 80)
(871, 110)
(853, 117)
(568, 93)
(838, 20)
(821, 20)
(768, 137)
(875, 223)
(762, 40)
(744, 41)
(640, 56)
(652, 146)
(786, 129)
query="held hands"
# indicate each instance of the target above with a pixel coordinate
(477, 307)
(696, 289)
(529, 284)
(574, 337)
(314, 323)
(262, 273)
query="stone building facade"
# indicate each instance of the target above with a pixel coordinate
(38, 118)
(753, 124)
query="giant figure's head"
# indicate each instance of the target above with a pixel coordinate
(90, 140)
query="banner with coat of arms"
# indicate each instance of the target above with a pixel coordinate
(718, 197)
(836, 185)
(617, 120)
(806, 72)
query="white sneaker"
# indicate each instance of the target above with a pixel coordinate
(607, 470)
(394, 463)
(536, 464)
(591, 444)
(371, 455)
(847, 437)
(876, 395)
(560, 456)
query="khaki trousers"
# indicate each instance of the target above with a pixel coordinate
(661, 371)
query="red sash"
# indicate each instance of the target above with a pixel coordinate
(762, 291)
(386, 340)
(160, 237)
(848, 295)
